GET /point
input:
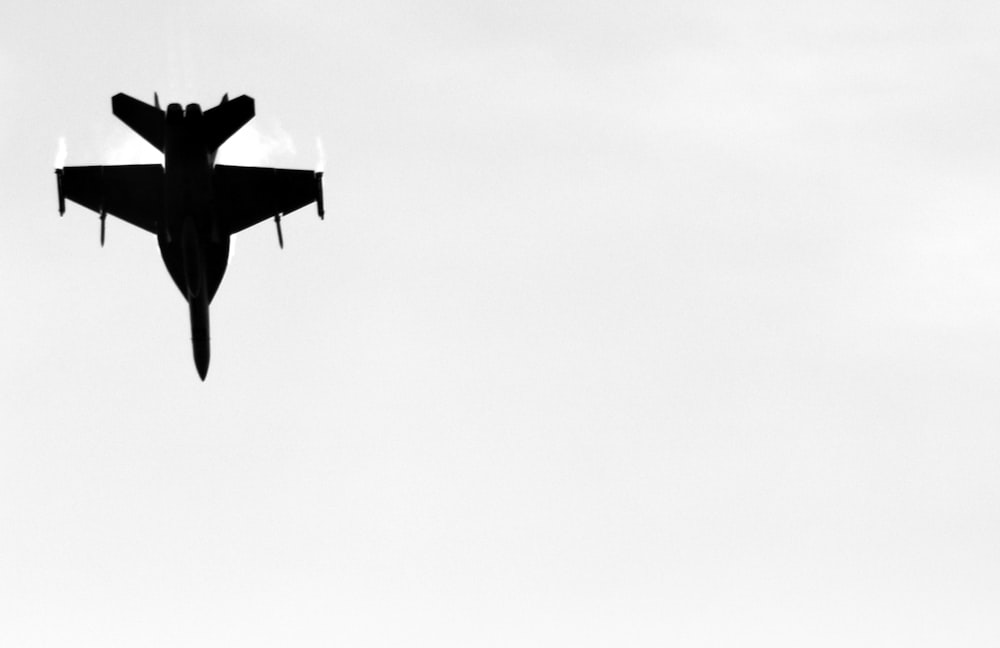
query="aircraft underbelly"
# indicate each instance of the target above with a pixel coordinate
(195, 254)
(214, 260)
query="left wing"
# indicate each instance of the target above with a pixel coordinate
(133, 193)
(249, 195)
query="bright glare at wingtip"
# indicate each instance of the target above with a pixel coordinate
(320, 156)
(61, 153)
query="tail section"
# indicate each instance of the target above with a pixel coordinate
(146, 120)
(218, 124)
(221, 122)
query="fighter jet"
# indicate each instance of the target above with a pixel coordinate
(190, 203)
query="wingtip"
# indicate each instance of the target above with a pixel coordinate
(320, 208)
(62, 192)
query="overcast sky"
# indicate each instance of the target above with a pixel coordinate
(641, 324)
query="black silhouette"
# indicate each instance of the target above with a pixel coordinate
(190, 203)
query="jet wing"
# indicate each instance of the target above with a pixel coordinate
(249, 195)
(133, 193)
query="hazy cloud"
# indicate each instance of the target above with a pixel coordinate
(256, 146)
(250, 146)
(129, 148)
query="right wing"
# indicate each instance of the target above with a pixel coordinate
(133, 192)
(249, 195)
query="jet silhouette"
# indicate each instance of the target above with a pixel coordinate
(190, 203)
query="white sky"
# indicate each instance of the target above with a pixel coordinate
(671, 324)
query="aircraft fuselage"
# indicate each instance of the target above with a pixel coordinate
(193, 243)
(189, 203)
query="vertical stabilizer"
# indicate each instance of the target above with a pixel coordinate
(144, 119)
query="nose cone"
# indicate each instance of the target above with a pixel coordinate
(199, 332)
(201, 356)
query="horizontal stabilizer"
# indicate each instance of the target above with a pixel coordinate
(225, 119)
(146, 120)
